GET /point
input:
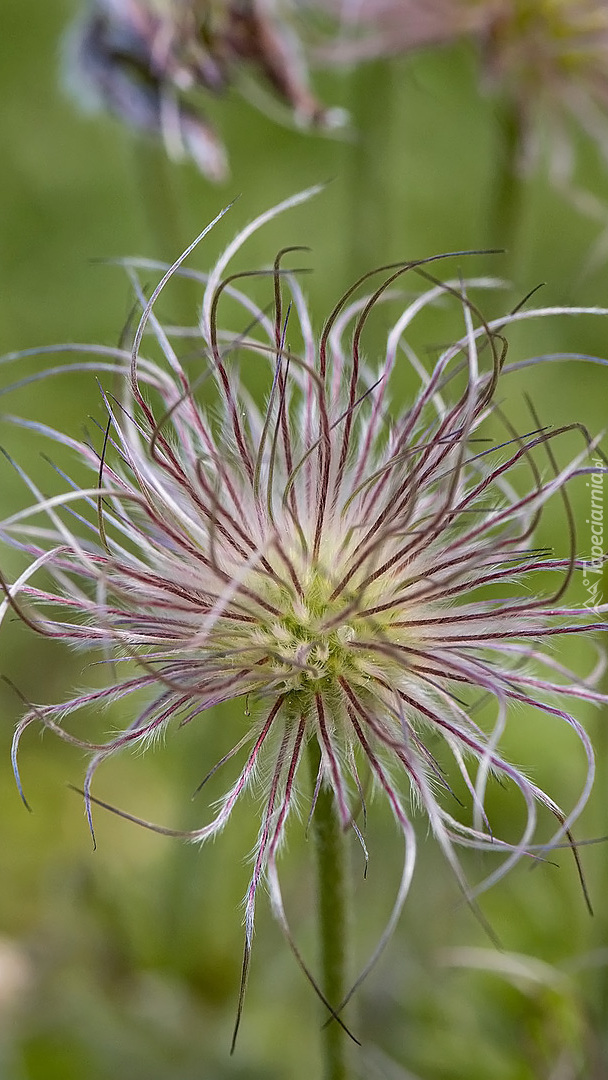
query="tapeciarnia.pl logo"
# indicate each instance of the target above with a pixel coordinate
(593, 567)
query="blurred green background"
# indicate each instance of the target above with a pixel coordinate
(125, 962)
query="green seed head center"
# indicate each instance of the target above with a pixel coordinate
(312, 640)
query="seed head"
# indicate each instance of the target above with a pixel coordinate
(548, 58)
(357, 582)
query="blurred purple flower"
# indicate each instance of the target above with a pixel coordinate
(140, 58)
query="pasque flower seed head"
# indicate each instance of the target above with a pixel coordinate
(356, 581)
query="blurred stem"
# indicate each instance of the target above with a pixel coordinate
(156, 183)
(599, 927)
(506, 200)
(332, 907)
(369, 167)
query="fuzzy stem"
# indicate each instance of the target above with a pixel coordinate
(332, 881)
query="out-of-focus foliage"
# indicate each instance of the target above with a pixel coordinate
(125, 962)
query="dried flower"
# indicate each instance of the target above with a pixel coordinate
(348, 577)
(140, 58)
